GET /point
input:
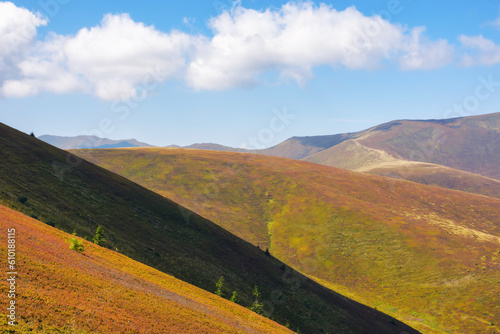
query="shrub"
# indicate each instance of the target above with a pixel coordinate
(234, 297)
(22, 199)
(76, 245)
(219, 285)
(267, 252)
(99, 236)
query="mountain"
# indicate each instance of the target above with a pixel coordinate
(214, 147)
(58, 188)
(464, 152)
(67, 143)
(470, 144)
(354, 156)
(102, 291)
(426, 255)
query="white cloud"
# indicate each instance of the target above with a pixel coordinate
(108, 60)
(113, 58)
(300, 36)
(485, 51)
(17, 33)
(421, 53)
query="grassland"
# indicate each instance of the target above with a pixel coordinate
(74, 195)
(425, 255)
(102, 291)
(354, 156)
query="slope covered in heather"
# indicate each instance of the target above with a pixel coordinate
(74, 195)
(426, 255)
(102, 291)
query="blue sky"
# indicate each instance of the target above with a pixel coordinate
(182, 72)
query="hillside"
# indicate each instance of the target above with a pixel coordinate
(426, 255)
(467, 143)
(67, 143)
(101, 291)
(470, 144)
(74, 195)
(354, 156)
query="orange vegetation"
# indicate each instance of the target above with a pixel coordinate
(101, 291)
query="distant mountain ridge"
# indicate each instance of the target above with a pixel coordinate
(79, 142)
(464, 152)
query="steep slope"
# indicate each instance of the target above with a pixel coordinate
(354, 156)
(72, 194)
(426, 255)
(67, 143)
(101, 291)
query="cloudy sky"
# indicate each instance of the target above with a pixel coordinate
(246, 73)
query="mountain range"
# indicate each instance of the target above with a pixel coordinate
(459, 153)
(67, 143)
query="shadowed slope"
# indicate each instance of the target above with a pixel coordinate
(73, 194)
(427, 255)
(101, 291)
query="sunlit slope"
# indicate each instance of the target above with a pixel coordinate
(101, 291)
(470, 144)
(352, 155)
(427, 255)
(58, 189)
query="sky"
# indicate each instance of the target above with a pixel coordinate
(249, 73)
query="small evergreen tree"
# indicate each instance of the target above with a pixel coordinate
(234, 297)
(219, 285)
(99, 236)
(256, 306)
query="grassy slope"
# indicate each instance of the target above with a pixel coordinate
(354, 156)
(427, 255)
(471, 144)
(145, 226)
(101, 291)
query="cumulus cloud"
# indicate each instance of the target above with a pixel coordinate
(111, 59)
(484, 51)
(18, 28)
(108, 60)
(300, 36)
(421, 53)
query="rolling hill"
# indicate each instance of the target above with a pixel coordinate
(67, 143)
(426, 255)
(101, 291)
(466, 144)
(71, 194)
(470, 144)
(354, 156)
